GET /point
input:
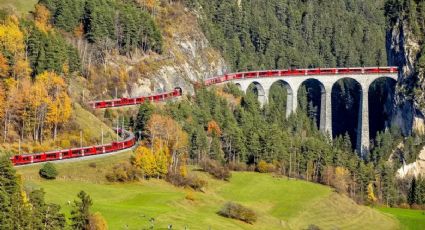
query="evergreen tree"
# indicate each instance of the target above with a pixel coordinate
(46, 216)
(412, 197)
(143, 116)
(80, 214)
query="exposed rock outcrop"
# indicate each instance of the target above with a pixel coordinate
(416, 168)
(403, 47)
(187, 57)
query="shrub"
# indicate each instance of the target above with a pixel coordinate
(404, 205)
(237, 166)
(264, 167)
(313, 227)
(239, 212)
(190, 196)
(216, 169)
(190, 181)
(123, 172)
(48, 171)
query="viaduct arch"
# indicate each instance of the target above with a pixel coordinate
(293, 79)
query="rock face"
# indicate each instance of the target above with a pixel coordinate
(416, 168)
(187, 57)
(403, 47)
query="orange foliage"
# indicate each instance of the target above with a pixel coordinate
(79, 31)
(214, 128)
(4, 66)
(42, 17)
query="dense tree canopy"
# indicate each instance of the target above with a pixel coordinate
(111, 24)
(255, 34)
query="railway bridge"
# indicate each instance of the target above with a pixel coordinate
(327, 78)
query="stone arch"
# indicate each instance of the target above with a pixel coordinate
(239, 86)
(347, 109)
(317, 95)
(381, 97)
(259, 91)
(289, 95)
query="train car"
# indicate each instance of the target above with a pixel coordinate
(329, 71)
(238, 76)
(251, 74)
(269, 73)
(294, 72)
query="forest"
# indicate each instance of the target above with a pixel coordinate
(42, 54)
(225, 126)
(254, 34)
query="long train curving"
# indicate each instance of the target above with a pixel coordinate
(129, 138)
(128, 141)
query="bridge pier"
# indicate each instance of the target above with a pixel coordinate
(291, 101)
(326, 110)
(363, 141)
(327, 80)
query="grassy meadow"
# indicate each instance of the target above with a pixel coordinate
(279, 203)
(409, 219)
(22, 6)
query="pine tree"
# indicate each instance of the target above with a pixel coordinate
(412, 196)
(80, 214)
(142, 119)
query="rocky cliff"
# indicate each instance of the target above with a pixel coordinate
(403, 48)
(187, 57)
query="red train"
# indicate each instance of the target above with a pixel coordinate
(136, 101)
(300, 72)
(128, 142)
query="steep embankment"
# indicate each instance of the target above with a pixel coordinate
(280, 203)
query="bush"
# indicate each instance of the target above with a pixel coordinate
(190, 181)
(237, 166)
(123, 172)
(216, 169)
(190, 196)
(48, 171)
(313, 227)
(239, 212)
(264, 167)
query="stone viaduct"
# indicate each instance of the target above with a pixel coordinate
(293, 79)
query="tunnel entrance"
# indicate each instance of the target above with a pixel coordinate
(310, 99)
(381, 101)
(346, 96)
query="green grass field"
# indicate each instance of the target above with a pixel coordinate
(409, 219)
(22, 6)
(280, 203)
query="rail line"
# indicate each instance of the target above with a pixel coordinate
(129, 140)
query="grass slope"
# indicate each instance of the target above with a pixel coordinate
(280, 203)
(22, 6)
(409, 219)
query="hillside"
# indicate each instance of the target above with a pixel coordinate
(279, 202)
(22, 6)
